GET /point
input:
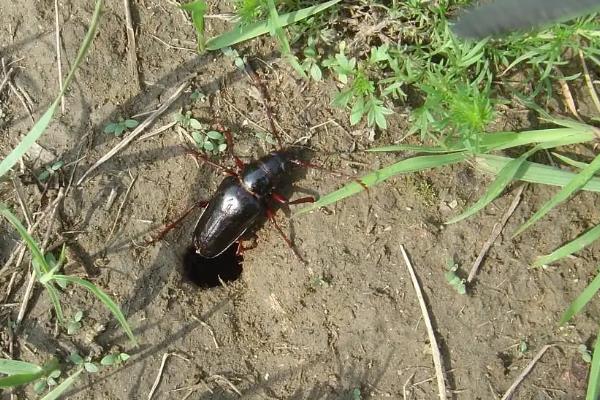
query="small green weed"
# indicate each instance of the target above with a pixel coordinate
(114, 359)
(360, 92)
(523, 347)
(74, 324)
(50, 170)
(209, 141)
(454, 280)
(119, 127)
(586, 355)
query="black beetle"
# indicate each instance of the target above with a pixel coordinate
(242, 200)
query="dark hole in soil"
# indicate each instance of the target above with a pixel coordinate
(205, 272)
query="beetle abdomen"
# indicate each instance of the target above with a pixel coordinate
(228, 215)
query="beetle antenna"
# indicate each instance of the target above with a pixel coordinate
(258, 83)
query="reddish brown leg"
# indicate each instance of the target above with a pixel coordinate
(271, 216)
(239, 163)
(282, 200)
(172, 225)
(241, 248)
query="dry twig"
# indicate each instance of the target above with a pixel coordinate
(120, 210)
(58, 56)
(159, 375)
(435, 350)
(218, 378)
(526, 371)
(568, 97)
(6, 78)
(496, 230)
(16, 91)
(131, 46)
(588, 82)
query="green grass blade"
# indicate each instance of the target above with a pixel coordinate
(533, 172)
(197, 9)
(593, 389)
(15, 367)
(105, 299)
(55, 299)
(39, 263)
(505, 140)
(573, 246)
(415, 148)
(572, 187)
(40, 126)
(570, 161)
(572, 124)
(19, 379)
(63, 387)
(577, 305)
(405, 166)
(247, 32)
(503, 178)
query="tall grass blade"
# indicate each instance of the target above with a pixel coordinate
(577, 305)
(242, 33)
(572, 187)
(105, 299)
(40, 126)
(15, 367)
(63, 387)
(593, 389)
(38, 258)
(405, 166)
(573, 246)
(504, 140)
(533, 172)
(503, 178)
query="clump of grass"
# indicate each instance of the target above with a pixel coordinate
(42, 123)
(47, 376)
(505, 170)
(47, 268)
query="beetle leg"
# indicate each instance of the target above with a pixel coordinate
(271, 216)
(241, 248)
(172, 225)
(239, 163)
(282, 200)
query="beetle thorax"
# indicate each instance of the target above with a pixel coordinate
(261, 177)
